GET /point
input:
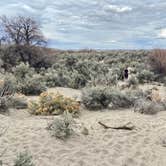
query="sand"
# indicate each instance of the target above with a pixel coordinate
(143, 146)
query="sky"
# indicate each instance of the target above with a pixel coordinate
(95, 24)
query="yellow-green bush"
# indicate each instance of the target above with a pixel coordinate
(54, 104)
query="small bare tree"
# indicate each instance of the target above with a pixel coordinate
(30, 32)
(22, 30)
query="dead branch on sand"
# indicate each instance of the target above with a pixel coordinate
(128, 126)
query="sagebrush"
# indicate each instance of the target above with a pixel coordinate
(62, 128)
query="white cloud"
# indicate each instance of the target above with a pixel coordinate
(111, 41)
(118, 9)
(106, 23)
(162, 33)
(28, 8)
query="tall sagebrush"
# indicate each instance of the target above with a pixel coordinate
(102, 97)
(5, 97)
(158, 60)
(62, 127)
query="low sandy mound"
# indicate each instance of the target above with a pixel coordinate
(102, 147)
(143, 146)
(68, 92)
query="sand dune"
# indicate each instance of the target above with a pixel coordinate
(102, 147)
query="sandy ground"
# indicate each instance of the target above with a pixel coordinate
(143, 146)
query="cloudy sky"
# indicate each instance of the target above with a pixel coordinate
(101, 24)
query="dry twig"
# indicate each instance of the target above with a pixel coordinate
(128, 126)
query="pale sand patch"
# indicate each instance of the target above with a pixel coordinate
(68, 92)
(140, 147)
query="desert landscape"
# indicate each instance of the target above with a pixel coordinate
(82, 112)
(79, 107)
(144, 145)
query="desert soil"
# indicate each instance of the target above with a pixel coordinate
(143, 146)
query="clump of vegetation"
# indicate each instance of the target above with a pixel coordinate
(18, 101)
(5, 97)
(158, 61)
(96, 98)
(31, 85)
(4, 104)
(77, 80)
(102, 97)
(54, 104)
(145, 76)
(120, 99)
(28, 81)
(55, 78)
(23, 159)
(132, 82)
(61, 128)
(145, 106)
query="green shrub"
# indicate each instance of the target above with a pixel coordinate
(136, 94)
(96, 97)
(5, 97)
(149, 107)
(9, 81)
(120, 100)
(4, 104)
(109, 79)
(64, 78)
(58, 77)
(22, 71)
(71, 61)
(133, 81)
(61, 128)
(145, 76)
(23, 159)
(28, 81)
(31, 85)
(102, 97)
(77, 80)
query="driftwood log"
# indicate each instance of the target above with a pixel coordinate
(127, 126)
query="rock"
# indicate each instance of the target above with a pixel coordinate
(85, 131)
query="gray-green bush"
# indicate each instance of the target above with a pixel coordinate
(102, 97)
(31, 85)
(145, 106)
(5, 98)
(61, 128)
(23, 159)
(133, 81)
(96, 97)
(145, 76)
(28, 81)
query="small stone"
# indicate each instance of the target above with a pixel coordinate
(85, 131)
